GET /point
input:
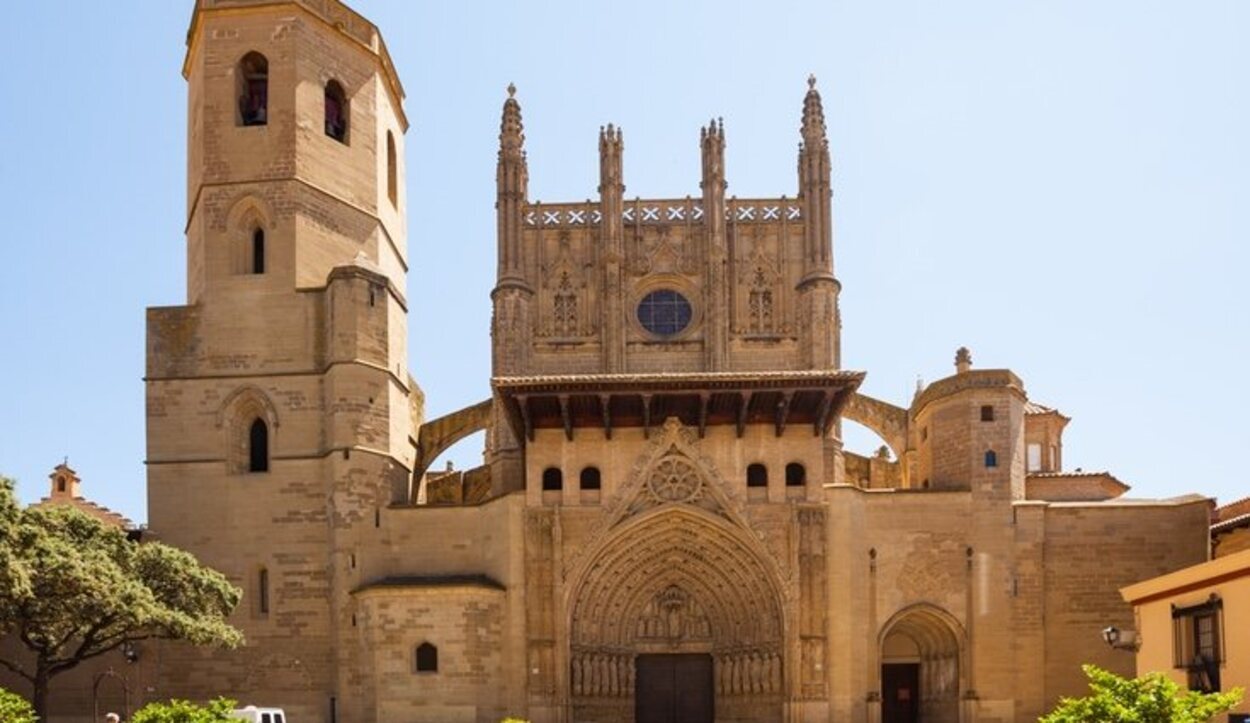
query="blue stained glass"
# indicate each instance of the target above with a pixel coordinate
(664, 312)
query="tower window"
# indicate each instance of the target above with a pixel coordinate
(60, 484)
(262, 591)
(590, 478)
(258, 251)
(392, 170)
(258, 447)
(253, 89)
(987, 413)
(1034, 452)
(991, 458)
(757, 475)
(796, 475)
(553, 479)
(427, 658)
(336, 111)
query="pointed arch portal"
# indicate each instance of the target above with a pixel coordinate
(921, 667)
(675, 585)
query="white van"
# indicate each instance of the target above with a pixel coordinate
(252, 714)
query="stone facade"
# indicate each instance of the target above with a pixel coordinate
(664, 476)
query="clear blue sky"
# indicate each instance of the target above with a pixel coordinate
(1062, 186)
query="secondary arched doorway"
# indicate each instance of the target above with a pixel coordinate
(677, 617)
(110, 693)
(922, 668)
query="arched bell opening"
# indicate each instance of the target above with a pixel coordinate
(922, 669)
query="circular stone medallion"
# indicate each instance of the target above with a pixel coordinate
(674, 480)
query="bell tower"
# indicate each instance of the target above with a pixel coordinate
(295, 129)
(280, 411)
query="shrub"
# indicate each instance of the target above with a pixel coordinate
(15, 709)
(182, 711)
(1152, 698)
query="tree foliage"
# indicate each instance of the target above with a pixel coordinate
(1153, 698)
(15, 709)
(181, 711)
(73, 588)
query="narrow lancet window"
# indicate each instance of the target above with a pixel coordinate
(262, 591)
(258, 447)
(258, 251)
(336, 111)
(253, 89)
(392, 170)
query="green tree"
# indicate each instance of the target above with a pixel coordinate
(1152, 698)
(73, 588)
(181, 711)
(15, 709)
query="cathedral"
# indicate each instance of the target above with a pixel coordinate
(666, 526)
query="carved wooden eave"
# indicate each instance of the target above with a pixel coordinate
(700, 400)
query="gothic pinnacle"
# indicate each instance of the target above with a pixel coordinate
(511, 129)
(813, 115)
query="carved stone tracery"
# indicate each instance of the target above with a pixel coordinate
(674, 480)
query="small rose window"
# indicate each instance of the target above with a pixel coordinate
(664, 312)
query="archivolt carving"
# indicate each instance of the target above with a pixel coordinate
(675, 570)
(678, 576)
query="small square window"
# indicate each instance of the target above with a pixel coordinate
(987, 413)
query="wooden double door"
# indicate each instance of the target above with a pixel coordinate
(674, 689)
(900, 693)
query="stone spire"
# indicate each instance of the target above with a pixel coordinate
(818, 289)
(611, 145)
(813, 117)
(716, 339)
(612, 239)
(814, 185)
(512, 180)
(712, 142)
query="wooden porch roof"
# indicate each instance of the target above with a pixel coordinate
(608, 401)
